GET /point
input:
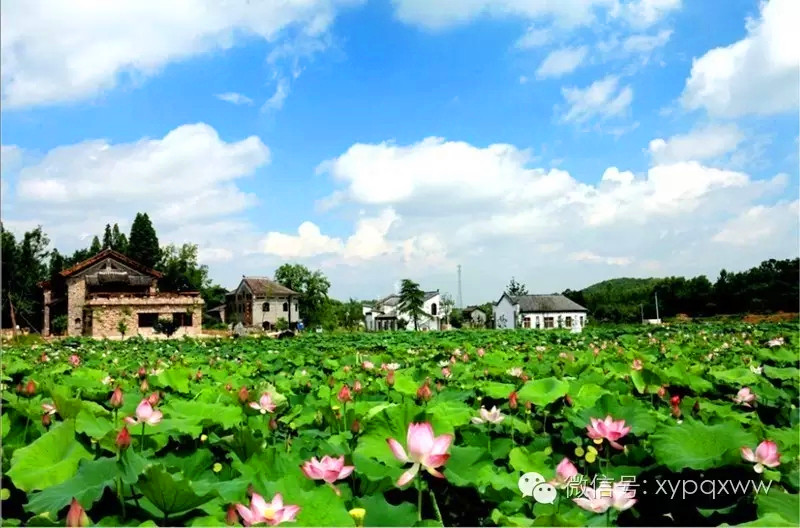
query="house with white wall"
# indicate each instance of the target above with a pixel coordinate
(538, 311)
(387, 315)
(260, 302)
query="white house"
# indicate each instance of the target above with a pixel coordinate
(538, 311)
(260, 302)
(386, 314)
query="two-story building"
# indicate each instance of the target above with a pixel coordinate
(260, 302)
(387, 315)
(111, 295)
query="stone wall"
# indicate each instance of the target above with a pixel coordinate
(76, 299)
(108, 312)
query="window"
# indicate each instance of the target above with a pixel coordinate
(433, 309)
(568, 321)
(581, 320)
(285, 307)
(182, 319)
(296, 307)
(147, 320)
(265, 307)
(538, 322)
(526, 323)
(548, 322)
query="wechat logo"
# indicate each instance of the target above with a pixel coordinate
(533, 485)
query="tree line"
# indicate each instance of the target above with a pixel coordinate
(28, 261)
(769, 287)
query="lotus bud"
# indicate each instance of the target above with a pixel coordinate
(76, 516)
(198, 375)
(231, 517)
(116, 399)
(142, 372)
(273, 424)
(355, 427)
(390, 378)
(30, 388)
(528, 406)
(662, 391)
(244, 395)
(46, 420)
(144, 387)
(357, 388)
(424, 392)
(124, 438)
(331, 381)
(439, 386)
(344, 394)
(513, 400)
(154, 398)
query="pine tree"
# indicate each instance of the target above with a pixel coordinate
(108, 242)
(143, 242)
(412, 298)
(95, 248)
(119, 241)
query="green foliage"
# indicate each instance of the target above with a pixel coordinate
(515, 288)
(59, 324)
(412, 299)
(210, 448)
(313, 289)
(143, 242)
(281, 324)
(181, 270)
(165, 326)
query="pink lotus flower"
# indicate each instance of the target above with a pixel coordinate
(145, 414)
(49, 409)
(745, 396)
(264, 404)
(328, 469)
(766, 455)
(423, 450)
(481, 352)
(357, 387)
(565, 471)
(74, 360)
(368, 365)
(622, 497)
(637, 364)
(344, 394)
(609, 429)
(446, 372)
(272, 513)
(597, 501)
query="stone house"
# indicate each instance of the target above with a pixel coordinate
(475, 317)
(387, 315)
(108, 289)
(261, 302)
(538, 311)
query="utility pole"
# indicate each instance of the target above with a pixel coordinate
(460, 300)
(656, 293)
(641, 310)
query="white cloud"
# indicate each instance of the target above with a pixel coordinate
(757, 75)
(275, 102)
(369, 240)
(644, 13)
(603, 98)
(234, 98)
(534, 37)
(561, 62)
(308, 242)
(54, 52)
(10, 158)
(761, 224)
(447, 13)
(646, 43)
(708, 142)
(588, 256)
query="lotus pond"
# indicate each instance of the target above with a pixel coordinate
(630, 426)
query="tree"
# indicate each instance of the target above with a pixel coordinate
(515, 288)
(95, 248)
(165, 326)
(25, 265)
(313, 289)
(143, 242)
(181, 270)
(57, 263)
(447, 306)
(108, 241)
(411, 300)
(352, 314)
(119, 241)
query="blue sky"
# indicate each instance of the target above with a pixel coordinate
(559, 142)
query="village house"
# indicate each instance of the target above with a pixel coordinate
(538, 311)
(474, 317)
(386, 314)
(110, 295)
(260, 302)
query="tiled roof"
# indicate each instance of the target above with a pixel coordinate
(264, 287)
(116, 255)
(546, 303)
